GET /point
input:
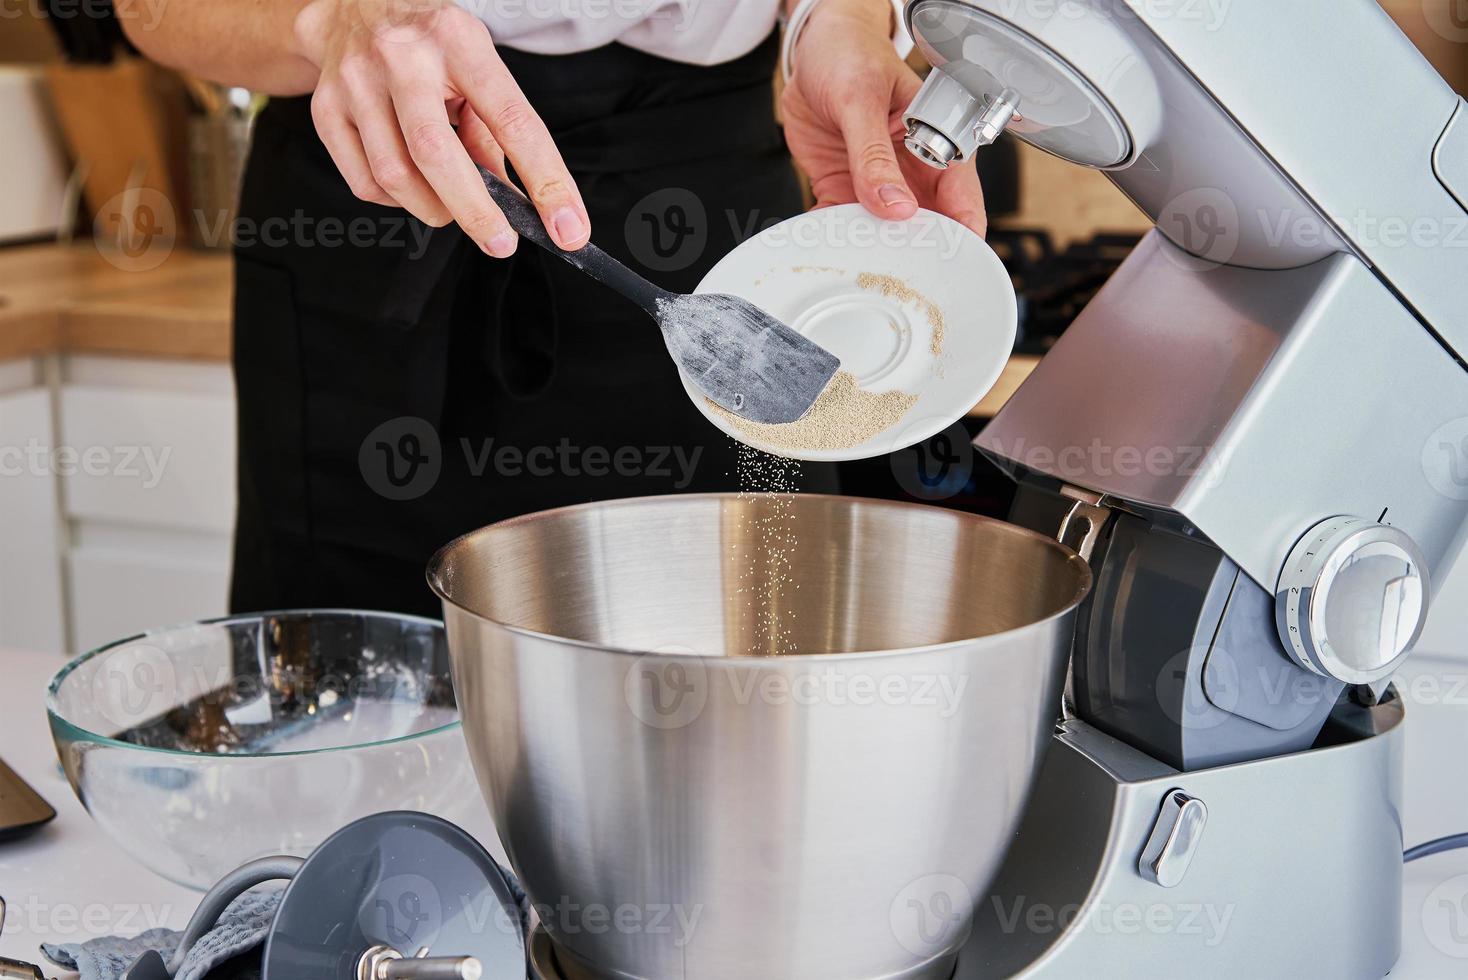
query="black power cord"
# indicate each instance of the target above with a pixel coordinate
(1438, 846)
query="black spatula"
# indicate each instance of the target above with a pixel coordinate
(734, 352)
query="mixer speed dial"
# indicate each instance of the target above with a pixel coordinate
(1352, 599)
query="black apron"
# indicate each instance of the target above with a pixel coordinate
(398, 388)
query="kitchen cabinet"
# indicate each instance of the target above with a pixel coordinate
(116, 497)
(150, 521)
(32, 610)
(117, 445)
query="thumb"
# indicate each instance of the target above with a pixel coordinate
(875, 174)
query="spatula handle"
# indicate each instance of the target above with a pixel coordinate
(591, 260)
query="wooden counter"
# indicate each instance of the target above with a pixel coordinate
(72, 298)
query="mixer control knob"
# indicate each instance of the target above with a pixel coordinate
(1352, 599)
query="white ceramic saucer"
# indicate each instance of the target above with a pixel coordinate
(870, 292)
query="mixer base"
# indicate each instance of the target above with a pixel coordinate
(1297, 870)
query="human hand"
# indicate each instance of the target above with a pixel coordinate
(843, 120)
(396, 77)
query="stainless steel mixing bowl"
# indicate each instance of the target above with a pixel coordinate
(726, 737)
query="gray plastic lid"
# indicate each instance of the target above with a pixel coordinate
(405, 880)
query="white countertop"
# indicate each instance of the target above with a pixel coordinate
(66, 883)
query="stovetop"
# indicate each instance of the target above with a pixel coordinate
(1054, 285)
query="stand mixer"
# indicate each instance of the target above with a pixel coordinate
(1249, 435)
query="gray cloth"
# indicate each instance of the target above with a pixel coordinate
(241, 928)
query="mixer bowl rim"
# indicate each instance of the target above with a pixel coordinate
(1086, 582)
(79, 734)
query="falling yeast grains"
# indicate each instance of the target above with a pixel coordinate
(845, 415)
(767, 532)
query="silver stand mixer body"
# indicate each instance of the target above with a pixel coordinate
(1254, 425)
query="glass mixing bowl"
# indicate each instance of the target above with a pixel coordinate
(200, 747)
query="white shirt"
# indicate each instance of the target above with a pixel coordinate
(700, 32)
